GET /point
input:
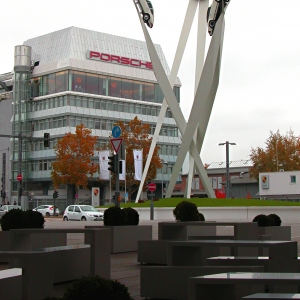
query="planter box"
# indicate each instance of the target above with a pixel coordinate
(125, 238)
(276, 233)
(4, 241)
(11, 242)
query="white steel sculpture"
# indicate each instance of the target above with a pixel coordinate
(206, 84)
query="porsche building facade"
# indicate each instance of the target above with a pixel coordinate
(70, 77)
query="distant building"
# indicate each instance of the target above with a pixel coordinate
(280, 185)
(241, 184)
(70, 77)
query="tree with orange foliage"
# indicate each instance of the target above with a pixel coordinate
(74, 154)
(282, 152)
(136, 136)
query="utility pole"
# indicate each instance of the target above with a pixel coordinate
(227, 166)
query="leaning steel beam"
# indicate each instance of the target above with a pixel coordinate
(177, 113)
(204, 99)
(188, 21)
(200, 54)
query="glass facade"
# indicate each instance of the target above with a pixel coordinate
(89, 83)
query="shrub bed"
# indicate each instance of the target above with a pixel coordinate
(19, 219)
(115, 216)
(187, 211)
(270, 220)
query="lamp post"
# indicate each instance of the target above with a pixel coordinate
(227, 165)
(162, 178)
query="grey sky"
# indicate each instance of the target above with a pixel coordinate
(259, 84)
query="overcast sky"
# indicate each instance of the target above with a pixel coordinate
(260, 72)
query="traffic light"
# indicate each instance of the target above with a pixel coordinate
(113, 163)
(55, 194)
(46, 139)
(120, 166)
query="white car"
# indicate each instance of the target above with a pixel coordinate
(5, 208)
(146, 9)
(82, 213)
(213, 14)
(47, 210)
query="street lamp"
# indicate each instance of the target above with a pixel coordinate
(162, 178)
(227, 165)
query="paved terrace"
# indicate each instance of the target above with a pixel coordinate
(124, 266)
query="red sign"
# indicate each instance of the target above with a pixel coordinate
(19, 177)
(152, 187)
(132, 62)
(116, 144)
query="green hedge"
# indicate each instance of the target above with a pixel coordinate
(19, 219)
(187, 211)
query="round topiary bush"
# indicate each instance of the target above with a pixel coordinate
(19, 219)
(13, 219)
(132, 216)
(114, 216)
(97, 288)
(187, 211)
(263, 221)
(34, 219)
(275, 218)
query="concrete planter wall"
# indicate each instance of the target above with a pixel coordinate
(8, 241)
(125, 238)
(276, 233)
(286, 213)
(4, 241)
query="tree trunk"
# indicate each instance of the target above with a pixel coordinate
(71, 191)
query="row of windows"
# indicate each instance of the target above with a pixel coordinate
(99, 85)
(92, 123)
(171, 150)
(46, 165)
(103, 104)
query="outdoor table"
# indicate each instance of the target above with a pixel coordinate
(235, 285)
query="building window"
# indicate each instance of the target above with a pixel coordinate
(293, 179)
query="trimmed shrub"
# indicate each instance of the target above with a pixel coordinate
(132, 216)
(276, 218)
(97, 288)
(187, 211)
(114, 216)
(13, 219)
(19, 219)
(34, 219)
(264, 221)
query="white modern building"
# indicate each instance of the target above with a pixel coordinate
(283, 185)
(66, 78)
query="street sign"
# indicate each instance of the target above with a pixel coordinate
(152, 187)
(116, 132)
(19, 177)
(116, 144)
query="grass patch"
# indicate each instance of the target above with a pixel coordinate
(209, 202)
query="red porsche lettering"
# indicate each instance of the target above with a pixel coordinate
(119, 59)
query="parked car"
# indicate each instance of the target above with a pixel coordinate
(5, 208)
(146, 9)
(213, 14)
(47, 210)
(82, 213)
